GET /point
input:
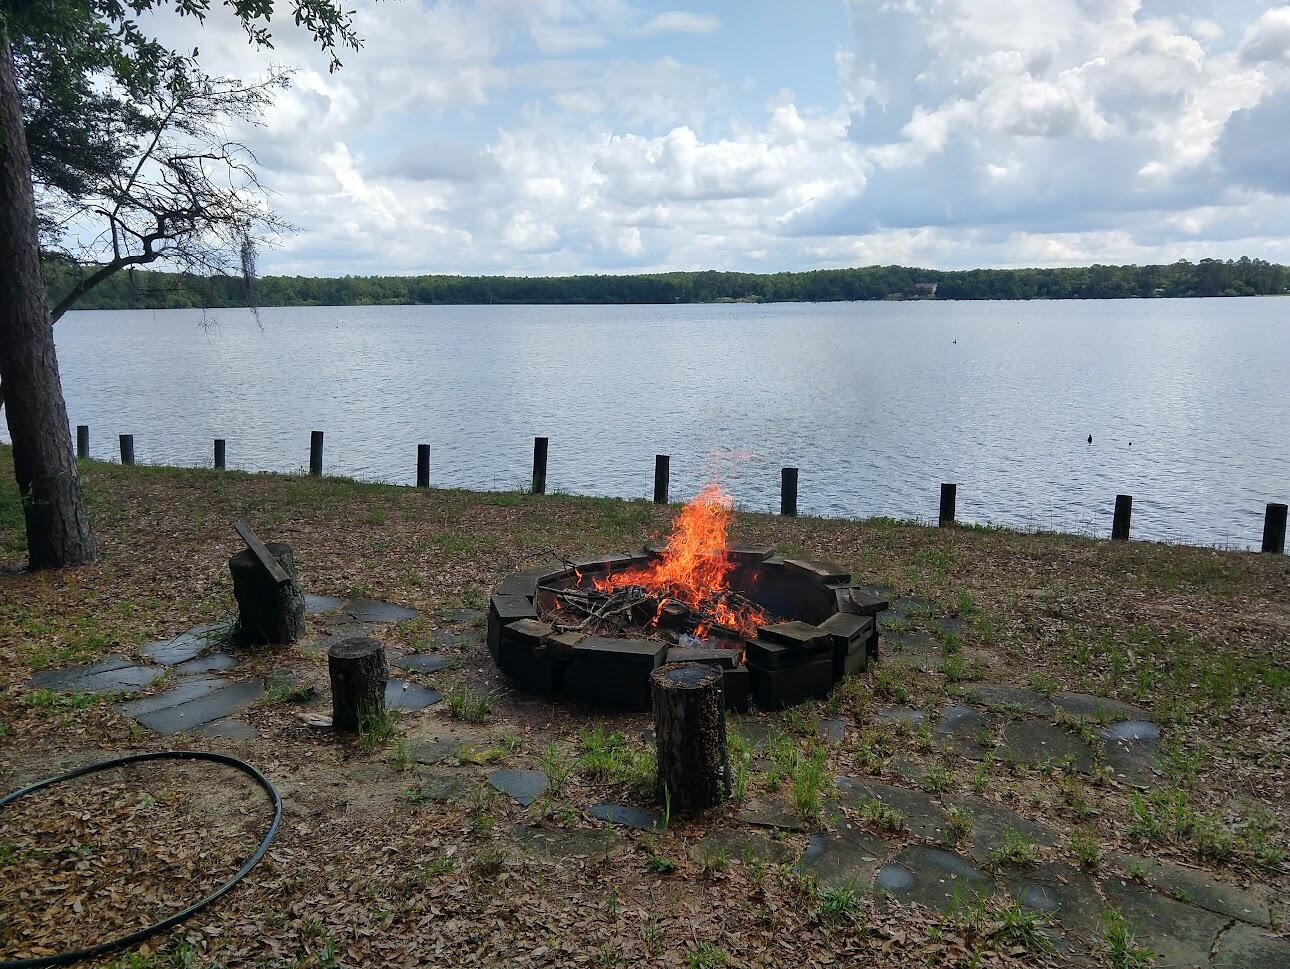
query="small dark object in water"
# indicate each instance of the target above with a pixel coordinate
(1090, 439)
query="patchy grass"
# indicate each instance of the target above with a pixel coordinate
(470, 704)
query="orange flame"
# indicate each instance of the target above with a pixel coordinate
(694, 567)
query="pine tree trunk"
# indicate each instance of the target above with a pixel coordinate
(58, 531)
(690, 734)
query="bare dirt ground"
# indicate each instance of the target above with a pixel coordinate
(395, 851)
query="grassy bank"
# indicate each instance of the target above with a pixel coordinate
(369, 871)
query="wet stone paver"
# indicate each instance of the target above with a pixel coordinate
(1131, 750)
(211, 663)
(188, 645)
(850, 856)
(374, 610)
(1044, 742)
(115, 674)
(1182, 935)
(627, 815)
(896, 714)
(770, 813)
(735, 844)
(965, 730)
(525, 786)
(316, 605)
(991, 823)
(940, 879)
(1248, 947)
(1200, 888)
(193, 703)
(1098, 707)
(424, 662)
(924, 816)
(997, 696)
(566, 844)
(1065, 894)
(406, 695)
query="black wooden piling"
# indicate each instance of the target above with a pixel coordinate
(82, 440)
(788, 491)
(219, 454)
(662, 476)
(423, 465)
(1274, 528)
(1123, 513)
(949, 496)
(315, 452)
(127, 449)
(539, 465)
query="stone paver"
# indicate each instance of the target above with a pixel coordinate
(1099, 707)
(1247, 947)
(939, 879)
(833, 731)
(914, 605)
(374, 610)
(850, 856)
(228, 729)
(895, 714)
(525, 786)
(1200, 888)
(114, 674)
(406, 695)
(439, 788)
(627, 815)
(177, 709)
(998, 696)
(924, 815)
(316, 605)
(770, 813)
(736, 844)
(424, 662)
(450, 639)
(911, 641)
(1065, 894)
(214, 663)
(565, 844)
(188, 645)
(1181, 934)
(963, 729)
(1044, 742)
(991, 822)
(1131, 750)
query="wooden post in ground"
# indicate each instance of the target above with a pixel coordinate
(219, 454)
(662, 477)
(690, 733)
(788, 492)
(127, 448)
(358, 676)
(315, 453)
(423, 465)
(1274, 528)
(270, 602)
(82, 440)
(949, 497)
(1123, 515)
(539, 465)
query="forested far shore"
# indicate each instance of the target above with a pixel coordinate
(164, 290)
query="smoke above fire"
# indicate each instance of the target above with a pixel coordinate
(694, 569)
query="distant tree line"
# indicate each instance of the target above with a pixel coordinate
(160, 290)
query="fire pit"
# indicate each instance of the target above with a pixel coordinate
(782, 630)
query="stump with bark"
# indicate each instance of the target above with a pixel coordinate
(269, 611)
(690, 731)
(358, 675)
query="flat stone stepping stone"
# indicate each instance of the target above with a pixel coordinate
(1064, 893)
(851, 856)
(894, 714)
(756, 731)
(924, 816)
(564, 844)
(990, 825)
(406, 695)
(1131, 750)
(525, 786)
(375, 610)
(184, 712)
(1044, 742)
(911, 641)
(461, 615)
(873, 590)
(950, 625)
(436, 750)
(1182, 934)
(188, 645)
(227, 729)
(888, 616)
(316, 605)
(340, 626)
(832, 731)
(1099, 707)
(733, 844)
(770, 813)
(446, 637)
(1245, 947)
(115, 674)
(424, 662)
(998, 696)
(439, 788)
(1200, 888)
(963, 729)
(627, 815)
(914, 605)
(939, 879)
(214, 663)
(186, 689)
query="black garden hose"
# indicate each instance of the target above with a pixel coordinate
(134, 938)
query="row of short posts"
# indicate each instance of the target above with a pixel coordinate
(1274, 519)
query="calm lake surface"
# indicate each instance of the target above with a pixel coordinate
(1188, 401)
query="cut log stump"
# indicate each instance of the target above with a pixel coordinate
(268, 611)
(690, 727)
(358, 675)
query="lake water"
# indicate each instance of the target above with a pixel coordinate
(1188, 401)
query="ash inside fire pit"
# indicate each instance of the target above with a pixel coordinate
(782, 630)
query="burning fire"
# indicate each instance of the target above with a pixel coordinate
(693, 569)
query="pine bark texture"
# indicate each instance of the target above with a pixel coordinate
(268, 612)
(58, 530)
(358, 677)
(690, 732)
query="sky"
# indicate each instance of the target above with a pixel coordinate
(546, 137)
